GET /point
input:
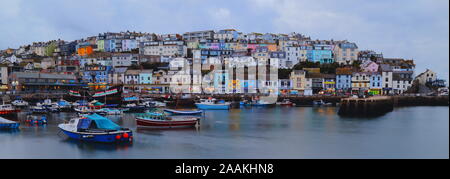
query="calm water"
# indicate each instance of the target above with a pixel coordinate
(415, 132)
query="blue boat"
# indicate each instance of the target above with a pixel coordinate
(96, 128)
(177, 112)
(8, 124)
(212, 104)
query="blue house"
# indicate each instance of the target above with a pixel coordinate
(376, 83)
(320, 53)
(96, 74)
(145, 77)
(344, 79)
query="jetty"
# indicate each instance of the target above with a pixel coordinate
(366, 107)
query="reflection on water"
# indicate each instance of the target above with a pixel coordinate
(282, 132)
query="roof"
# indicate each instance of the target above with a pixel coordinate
(133, 72)
(344, 71)
(423, 73)
(386, 67)
(120, 70)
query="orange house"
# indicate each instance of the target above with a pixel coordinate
(85, 51)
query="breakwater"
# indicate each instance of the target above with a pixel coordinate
(376, 106)
(366, 107)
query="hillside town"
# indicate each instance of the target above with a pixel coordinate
(147, 63)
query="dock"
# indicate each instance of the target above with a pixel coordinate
(366, 107)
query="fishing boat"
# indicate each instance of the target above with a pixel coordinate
(84, 110)
(161, 120)
(38, 109)
(96, 128)
(80, 103)
(178, 112)
(54, 108)
(108, 111)
(8, 124)
(245, 103)
(321, 103)
(160, 104)
(8, 109)
(212, 104)
(64, 106)
(134, 108)
(38, 120)
(19, 103)
(262, 103)
(286, 102)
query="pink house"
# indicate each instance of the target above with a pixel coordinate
(369, 66)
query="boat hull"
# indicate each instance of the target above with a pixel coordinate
(8, 112)
(101, 138)
(212, 106)
(155, 123)
(176, 112)
(9, 126)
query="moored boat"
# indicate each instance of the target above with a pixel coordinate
(161, 120)
(286, 102)
(96, 128)
(8, 124)
(38, 109)
(134, 108)
(64, 106)
(108, 111)
(8, 109)
(179, 112)
(19, 103)
(321, 103)
(212, 104)
(261, 103)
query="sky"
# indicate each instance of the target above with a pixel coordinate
(412, 29)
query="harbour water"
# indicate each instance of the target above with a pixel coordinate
(282, 132)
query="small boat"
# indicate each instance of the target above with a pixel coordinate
(38, 109)
(321, 103)
(212, 104)
(134, 108)
(261, 103)
(96, 128)
(178, 112)
(47, 103)
(108, 111)
(161, 120)
(245, 103)
(80, 103)
(54, 108)
(84, 109)
(8, 124)
(286, 102)
(8, 109)
(159, 104)
(38, 120)
(64, 106)
(19, 103)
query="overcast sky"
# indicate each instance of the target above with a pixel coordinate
(414, 29)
